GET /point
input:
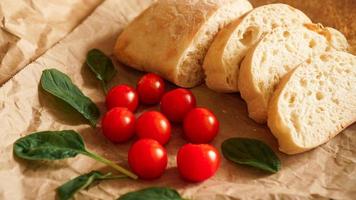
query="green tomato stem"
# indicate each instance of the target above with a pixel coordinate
(113, 177)
(92, 124)
(103, 85)
(111, 164)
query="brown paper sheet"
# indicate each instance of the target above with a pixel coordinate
(326, 172)
(29, 28)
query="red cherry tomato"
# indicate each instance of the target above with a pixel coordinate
(118, 124)
(150, 88)
(147, 158)
(153, 125)
(122, 96)
(177, 103)
(197, 162)
(200, 126)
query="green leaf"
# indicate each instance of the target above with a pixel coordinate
(152, 193)
(57, 145)
(49, 145)
(251, 152)
(61, 86)
(102, 66)
(68, 189)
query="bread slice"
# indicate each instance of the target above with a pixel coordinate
(171, 37)
(314, 102)
(276, 54)
(222, 61)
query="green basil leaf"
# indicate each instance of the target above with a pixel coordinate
(48, 145)
(152, 193)
(68, 189)
(102, 66)
(56, 145)
(251, 152)
(61, 86)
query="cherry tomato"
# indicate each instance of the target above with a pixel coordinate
(150, 88)
(153, 125)
(118, 124)
(122, 96)
(200, 126)
(148, 159)
(177, 103)
(197, 162)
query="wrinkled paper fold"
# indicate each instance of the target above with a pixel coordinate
(29, 28)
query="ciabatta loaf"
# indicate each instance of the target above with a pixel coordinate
(222, 61)
(314, 102)
(275, 55)
(171, 37)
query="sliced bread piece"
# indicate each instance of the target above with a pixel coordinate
(277, 53)
(171, 37)
(229, 47)
(314, 102)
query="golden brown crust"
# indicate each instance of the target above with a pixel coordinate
(157, 40)
(214, 59)
(320, 29)
(275, 121)
(249, 91)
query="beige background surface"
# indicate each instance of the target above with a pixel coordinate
(326, 172)
(29, 27)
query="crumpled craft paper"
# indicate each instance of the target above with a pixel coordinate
(326, 172)
(29, 28)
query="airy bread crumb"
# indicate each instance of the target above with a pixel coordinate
(314, 102)
(230, 46)
(275, 55)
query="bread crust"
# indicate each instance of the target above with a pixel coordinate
(277, 125)
(214, 62)
(250, 92)
(159, 38)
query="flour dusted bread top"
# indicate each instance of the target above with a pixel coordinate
(314, 102)
(276, 54)
(222, 61)
(171, 37)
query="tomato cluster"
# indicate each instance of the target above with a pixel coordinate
(147, 157)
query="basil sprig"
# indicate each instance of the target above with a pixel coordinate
(57, 145)
(61, 86)
(68, 189)
(251, 152)
(102, 67)
(152, 193)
